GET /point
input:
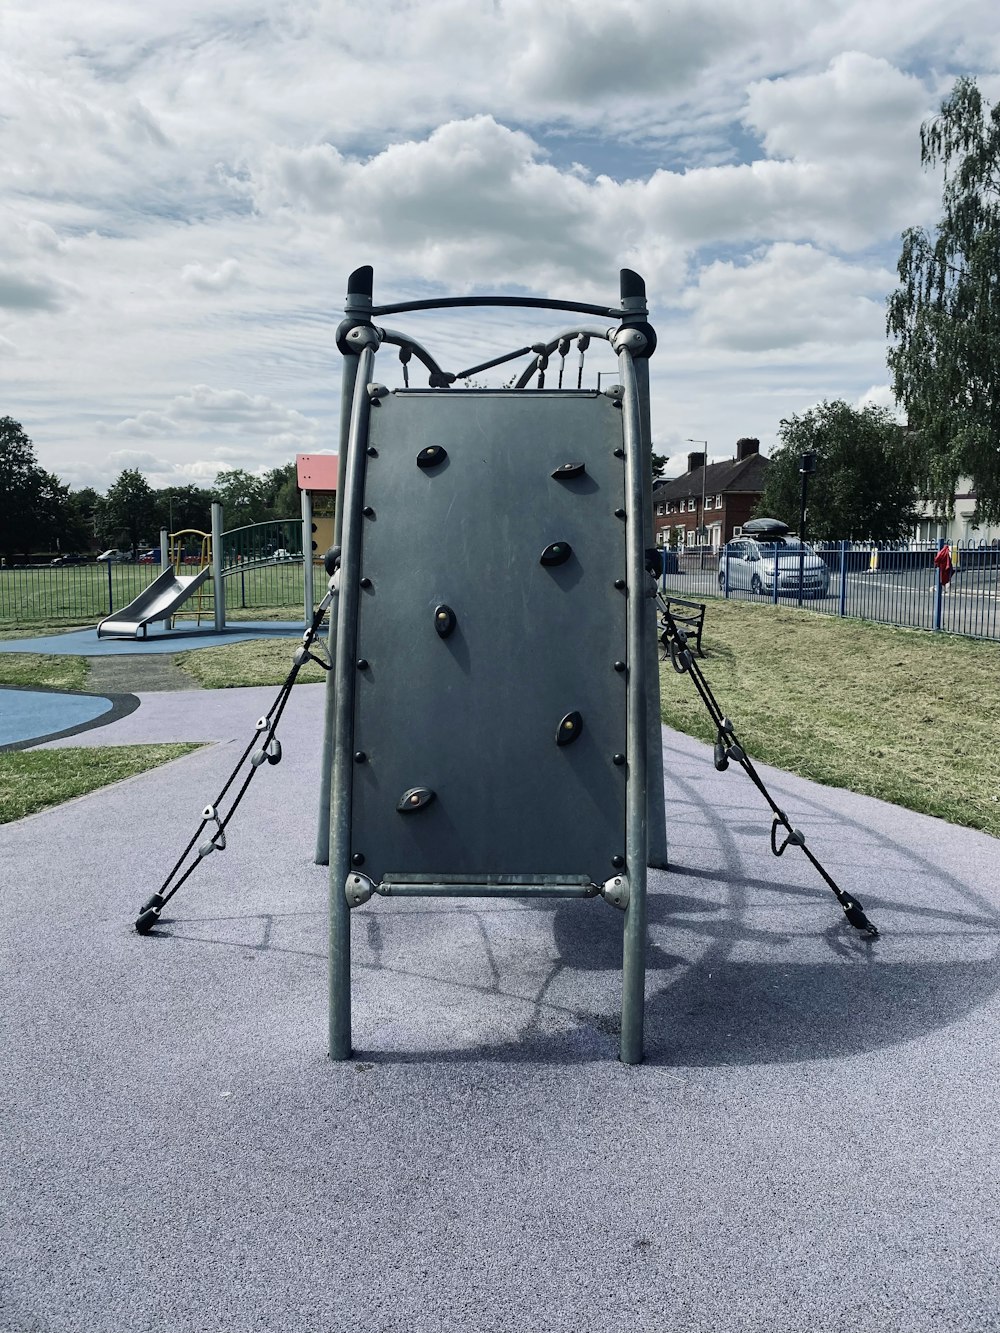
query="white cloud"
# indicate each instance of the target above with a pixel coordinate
(184, 188)
(790, 297)
(211, 279)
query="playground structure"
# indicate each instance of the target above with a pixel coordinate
(191, 573)
(523, 758)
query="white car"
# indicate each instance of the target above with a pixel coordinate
(753, 561)
(113, 556)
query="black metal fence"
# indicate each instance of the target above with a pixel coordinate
(82, 594)
(890, 584)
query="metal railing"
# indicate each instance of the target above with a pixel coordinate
(890, 584)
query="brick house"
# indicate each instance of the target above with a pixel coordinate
(730, 489)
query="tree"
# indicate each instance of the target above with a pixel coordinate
(181, 507)
(127, 514)
(242, 497)
(945, 316)
(281, 490)
(81, 520)
(659, 462)
(21, 484)
(864, 484)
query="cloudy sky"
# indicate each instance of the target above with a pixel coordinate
(186, 187)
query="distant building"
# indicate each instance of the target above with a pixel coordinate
(730, 489)
(958, 525)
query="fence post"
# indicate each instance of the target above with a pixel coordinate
(774, 553)
(726, 571)
(938, 589)
(843, 577)
(111, 596)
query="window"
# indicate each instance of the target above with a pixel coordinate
(671, 508)
(718, 502)
(661, 509)
(691, 505)
(692, 534)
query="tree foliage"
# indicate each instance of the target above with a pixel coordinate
(127, 514)
(22, 483)
(863, 486)
(945, 315)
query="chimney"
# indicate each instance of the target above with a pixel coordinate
(695, 460)
(746, 447)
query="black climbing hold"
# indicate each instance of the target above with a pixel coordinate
(368, 511)
(372, 451)
(569, 470)
(362, 663)
(445, 620)
(417, 798)
(569, 728)
(619, 666)
(556, 554)
(620, 584)
(618, 862)
(619, 453)
(432, 456)
(359, 756)
(273, 751)
(358, 859)
(619, 513)
(618, 759)
(721, 758)
(366, 583)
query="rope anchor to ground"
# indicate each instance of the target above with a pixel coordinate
(728, 748)
(264, 747)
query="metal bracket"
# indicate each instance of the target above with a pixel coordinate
(376, 391)
(616, 891)
(358, 889)
(616, 392)
(631, 338)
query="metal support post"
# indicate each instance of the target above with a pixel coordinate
(164, 552)
(307, 556)
(634, 943)
(843, 577)
(218, 583)
(343, 711)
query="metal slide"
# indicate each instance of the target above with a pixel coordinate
(157, 602)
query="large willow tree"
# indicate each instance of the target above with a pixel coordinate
(945, 316)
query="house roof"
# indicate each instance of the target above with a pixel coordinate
(728, 477)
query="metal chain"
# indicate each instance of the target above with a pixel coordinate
(727, 748)
(263, 747)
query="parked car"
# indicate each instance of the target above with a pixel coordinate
(69, 560)
(113, 556)
(753, 561)
(281, 554)
(150, 557)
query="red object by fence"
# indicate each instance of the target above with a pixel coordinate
(944, 566)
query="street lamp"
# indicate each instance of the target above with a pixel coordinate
(807, 466)
(704, 468)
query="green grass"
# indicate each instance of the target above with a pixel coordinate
(257, 662)
(904, 715)
(58, 673)
(32, 780)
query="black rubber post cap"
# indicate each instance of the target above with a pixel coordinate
(145, 921)
(362, 281)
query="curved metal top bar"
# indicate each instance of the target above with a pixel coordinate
(524, 302)
(397, 339)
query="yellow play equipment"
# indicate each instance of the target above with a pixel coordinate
(203, 601)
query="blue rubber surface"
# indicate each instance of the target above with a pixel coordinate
(28, 714)
(85, 643)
